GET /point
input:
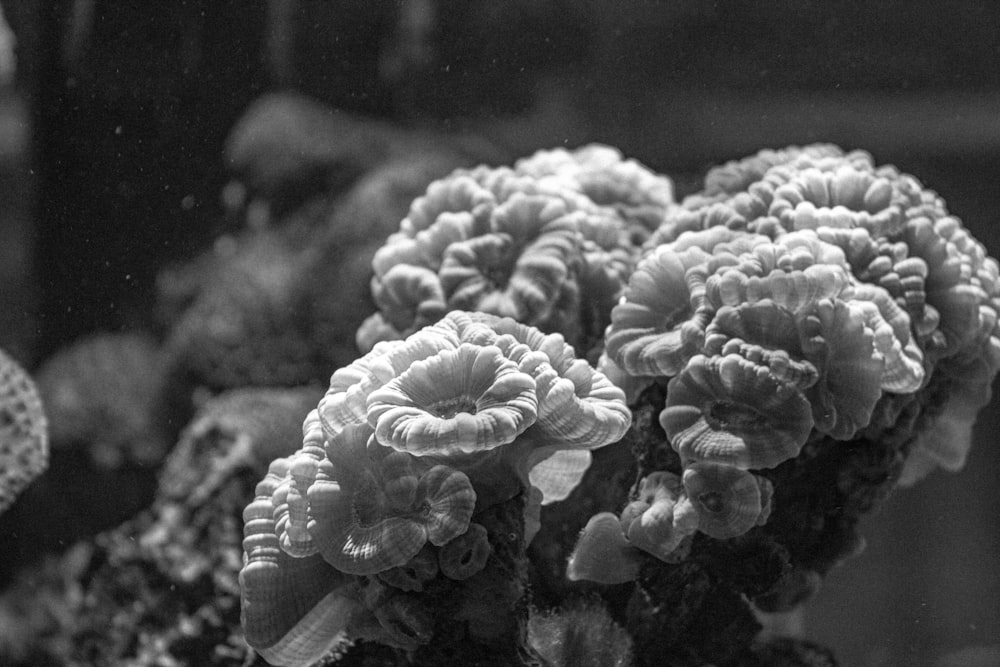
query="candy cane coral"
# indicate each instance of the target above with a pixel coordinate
(775, 350)
(810, 325)
(549, 242)
(24, 439)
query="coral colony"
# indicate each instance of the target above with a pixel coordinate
(776, 352)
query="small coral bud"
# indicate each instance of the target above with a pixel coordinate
(602, 553)
(465, 555)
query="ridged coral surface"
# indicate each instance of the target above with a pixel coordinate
(409, 451)
(803, 335)
(549, 243)
(796, 291)
(24, 438)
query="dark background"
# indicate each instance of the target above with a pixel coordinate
(111, 141)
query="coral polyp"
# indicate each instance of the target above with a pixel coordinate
(730, 410)
(468, 399)
(662, 517)
(729, 501)
(589, 424)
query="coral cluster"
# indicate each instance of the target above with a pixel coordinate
(549, 243)
(24, 437)
(776, 354)
(794, 293)
(418, 480)
(809, 325)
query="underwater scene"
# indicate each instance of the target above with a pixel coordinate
(561, 333)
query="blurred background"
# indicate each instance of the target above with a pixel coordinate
(114, 116)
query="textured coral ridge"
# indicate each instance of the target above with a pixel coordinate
(411, 447)
(24, 439)
(549, 242)
(789, 297)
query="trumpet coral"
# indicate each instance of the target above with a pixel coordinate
(661, 519)
(549, 242)
(729, 501)
(809, 323)
(730, 410)
(805, 334)
(661, 322)
(411, 452)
